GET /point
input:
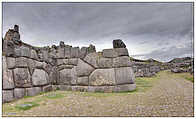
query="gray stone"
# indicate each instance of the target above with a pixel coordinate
(123, 61)
(33, 54)
(47, 88)
(83, 69)
(45, 54)
(122, 51)
(82, 81)
(21, 62)
(52, 53)
(105, 89)
(118, 44)
(11, 62)
(8, 82)
(19, 93)
(105, 62)
(65, 76)
(39, 77)
(80, 88)
(73, 61)
(22, 77)
(17, 52)
(61, 67)
(67, 51)
(102, 77)
(33, 91)
(62, 61)
(53, 76)
(7, 96)
(31, 66)
(92, 58)
(9, 48)
(75, 52)
(125, 87)
(73, 76)
(109, 53)
(124, 75)
(25, 51)
(61, 52)
(83, 52)
(39, 65)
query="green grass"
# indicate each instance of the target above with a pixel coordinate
(26, 105)
(190, 79)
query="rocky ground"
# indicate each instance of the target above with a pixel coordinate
(167, 94)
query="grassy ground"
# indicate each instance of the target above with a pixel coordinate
(166, 94)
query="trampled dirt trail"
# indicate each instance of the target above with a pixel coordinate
(169, 96)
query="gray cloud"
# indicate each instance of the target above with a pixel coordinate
(144, 27)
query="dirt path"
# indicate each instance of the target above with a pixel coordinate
(169, 96)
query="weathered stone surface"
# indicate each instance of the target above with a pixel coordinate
(47, 88)
(80, 88)
(61, 52)
(61, 67)
(102, 77)
(17, 52)
(67, 51)
(9, 48)
(83, 69)
(19, 93)
(106, 89)
(73, 76)
(11, 62)
(124, 75)
(83, 52)
(118, 44)
(8, 82)
(109, 53)
(33, 91)
(33, 54)
(73, 61)
(7, 96)
(39, 77)
(45, 54)
(123, 61)
(62, 61)
(22, 77)
(65, 76)
(104, 62)
(25, 51)
(122, 51)
(21, 62)
(82, 81)
(125, 87)
(31, 65)
(92, 58)
(75, 52)
(40, 65)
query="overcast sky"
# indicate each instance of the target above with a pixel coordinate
(162, 31)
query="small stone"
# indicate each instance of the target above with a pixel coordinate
(33, 91)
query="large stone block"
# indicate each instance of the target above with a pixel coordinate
(105, 62)
(73, 61)
(22, 77)
(82, 81)
(7, 96)
(19, 93)
(33, 91)
(21, 62)
(123, 61)
(8, 82)
(125, 87)
(39, 77)
(61, 67)
(109, 53)
(80, 88)
(83, 69)
(11, 62)
(106, 89)
(33, 54)
(65, 87)
(45, 54)
(124, 75)
(92, 58)
(31, 65)
(61, 52)
(64, 77)
(73, 76)
(75, 52)
(101, 77)
(62, 61)
(122, 51)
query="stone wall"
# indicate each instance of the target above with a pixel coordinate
(29, 70)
